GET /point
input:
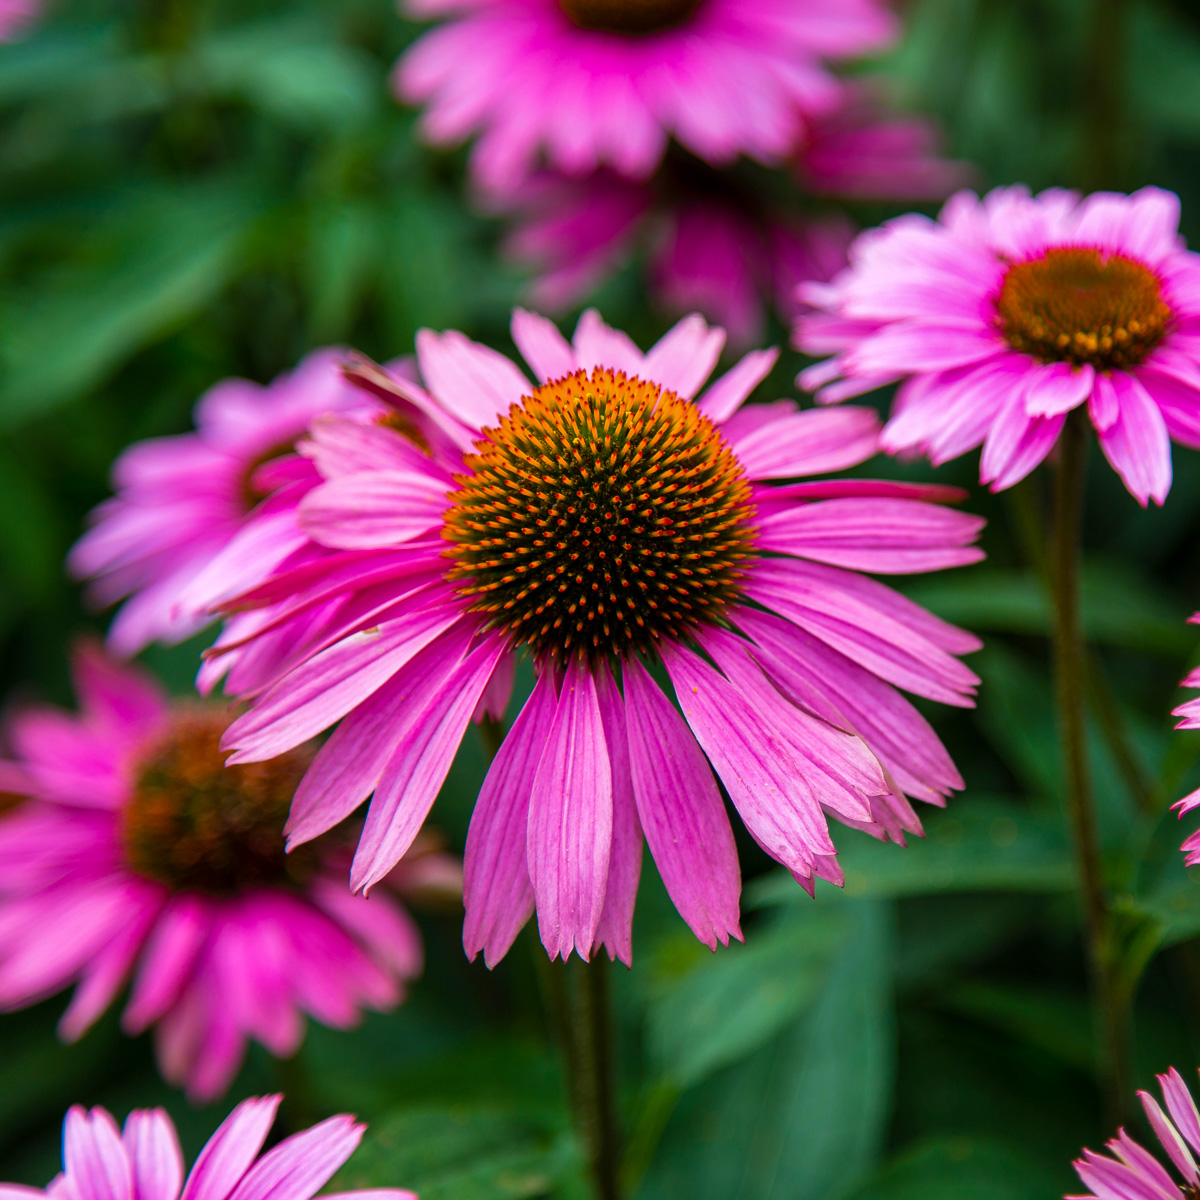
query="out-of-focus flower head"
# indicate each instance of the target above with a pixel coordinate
(136, 855)
(575, 85)
(181, 500)
(143, 1160)
(1130, 1172)
(623, 530)
(727, 244)
(1008, 312)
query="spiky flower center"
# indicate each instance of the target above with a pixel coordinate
(629, 16)
(196, 825)
(1078, 304)
(602, 515)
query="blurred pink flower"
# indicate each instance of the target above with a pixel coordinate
(711, 245)
(144, 1162)
(1007, 313)
(180, 500)
(591, 83)
(605, 519)
(1189, 714)
(139, 855)
(1133, 1173)
(16, 16)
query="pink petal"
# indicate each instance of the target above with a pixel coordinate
(303, 1163)
(94, 1161)
(1169, 1138)
(809, 443)
(1137, 444)
(473, 383)
(1181, 1106)
(231, 1150)
(542, 346)
(727, 394)
(373, 509)
(171, 951)
(1016, 444)
(497, 893)
(1058, 388)
(599, 345)
(615, 931)
(416, 771)
(570, 820)
(682, 812)
(154, 1155)
(685, 356)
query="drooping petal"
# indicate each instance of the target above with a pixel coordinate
(1137, 444)
(681, 812)
(570, 820)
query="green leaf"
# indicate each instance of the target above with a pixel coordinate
(458, 1154)
(803, 1118)
(742, 996)
(980, 845)
(147, 266)
(961, 1168)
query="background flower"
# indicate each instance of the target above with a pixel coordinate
(139, 857)
(144, 1160)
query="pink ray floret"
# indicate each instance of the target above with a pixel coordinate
(722, 77)
(1130, 1172)
(143, 1160)
(209, 967)
(1009, 312)
(16, 16)
(792, 700)
(1189, 718)
(181, 500)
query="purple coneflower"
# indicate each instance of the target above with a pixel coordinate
(136, 855)
(143, 1161)
(626, 535)
(1130, 1172)
(1008, 312)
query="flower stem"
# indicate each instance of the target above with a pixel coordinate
(1071, 680)
(1102, 80)
(590, 1065)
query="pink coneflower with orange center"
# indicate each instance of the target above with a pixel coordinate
(1007, 313)
(135, 855)
(623, 530)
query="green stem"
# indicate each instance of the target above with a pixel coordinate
(593, 1085)
(1103, 71)
(1071, 679)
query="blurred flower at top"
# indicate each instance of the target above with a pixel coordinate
(609, 518)
(143, 1161)
(581, 84)
(182, 499)
(1010, 311)
(1130, 1172)
(138, 855)
(16, 16)
(726, 243)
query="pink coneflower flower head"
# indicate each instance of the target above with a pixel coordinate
(622, 528)
(1130, 1172)
(143, 1161)
(1008, 312)
(590, 83)
(138, 856)
(180, 500)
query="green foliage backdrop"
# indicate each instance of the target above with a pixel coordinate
(192, 189)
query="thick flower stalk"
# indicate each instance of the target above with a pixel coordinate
(133, 854)
(584, 84)
(629, 537)
(181, 500)
(143, 1161)
(1130, 1172)
(1009, 312)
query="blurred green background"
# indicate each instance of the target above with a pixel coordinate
(191, 190)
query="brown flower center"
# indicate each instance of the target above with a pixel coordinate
(629, 16)
(1077, 304)
(603, 514)
(196, 825)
